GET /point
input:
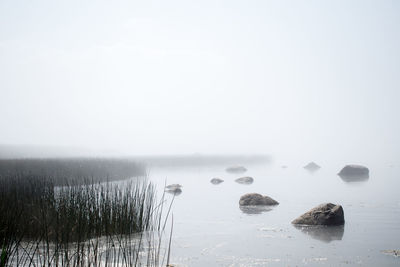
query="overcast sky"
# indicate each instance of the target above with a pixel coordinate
(311, 78)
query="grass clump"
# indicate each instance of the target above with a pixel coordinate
(80, 223)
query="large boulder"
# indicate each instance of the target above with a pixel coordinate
(324, 214)
(245, 180)
(312, 166)
(236, 169)
(254, 199)
(216, 181)
(354, 171)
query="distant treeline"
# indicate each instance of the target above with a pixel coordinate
(199, 160)
(64, 169)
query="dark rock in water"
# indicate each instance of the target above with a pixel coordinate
(175, 189)
(245, 180)
(236, 169)
(252, 210)
(322, 232)
(354, 171)
(312, 166)
(324, 214)
(216, 181)
(254, 199)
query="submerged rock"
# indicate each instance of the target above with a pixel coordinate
(175, 189)
(236, 169)
(354, 171)
(254, 199)
(245, 180)
(324, 214)
(216, 181)
(312, 166)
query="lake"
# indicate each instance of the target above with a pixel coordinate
(210, 229)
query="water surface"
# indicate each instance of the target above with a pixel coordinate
(210, 229)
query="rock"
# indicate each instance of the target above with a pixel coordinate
(312, 166)
(284, 167)
(216, 181)
(245, 180)
(254, 199)
(236, 169)
(175, 189)
(354, 171)
(324, 214)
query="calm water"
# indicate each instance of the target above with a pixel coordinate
(211, 230)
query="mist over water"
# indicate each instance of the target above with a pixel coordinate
(193, 88)
(292, 79)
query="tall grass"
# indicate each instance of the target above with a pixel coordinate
(81, 223)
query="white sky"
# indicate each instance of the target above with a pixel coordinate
(305, 78)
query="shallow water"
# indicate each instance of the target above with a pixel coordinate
(210, 229)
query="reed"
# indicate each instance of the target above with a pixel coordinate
(80, 223)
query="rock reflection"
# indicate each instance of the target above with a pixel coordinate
(323, 233)
(354, 178)
(175, 192)
(312, 167)
(245, 180)
(175, 189)
(252, 210)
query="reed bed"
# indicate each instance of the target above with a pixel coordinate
(80, 223)
(64, 169)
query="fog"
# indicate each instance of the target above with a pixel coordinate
(312, 80)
